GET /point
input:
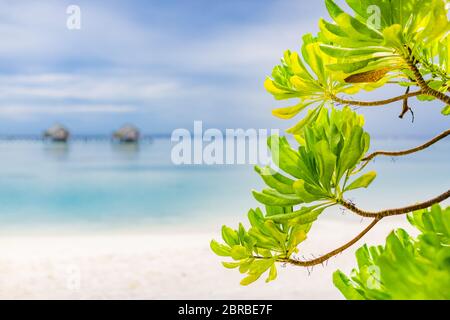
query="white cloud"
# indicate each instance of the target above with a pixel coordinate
(84, 87)
(152, 68)
(20, 111)
(35, 32)
(238, 50)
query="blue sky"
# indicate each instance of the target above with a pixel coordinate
(160, 65)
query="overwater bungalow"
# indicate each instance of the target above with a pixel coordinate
(57, 133)
(127, 134)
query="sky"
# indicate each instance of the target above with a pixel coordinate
(161, 65)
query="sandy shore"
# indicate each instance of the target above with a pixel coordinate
(164, 265)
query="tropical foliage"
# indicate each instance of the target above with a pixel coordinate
(424, 262)
(317, 176)
(403, 43)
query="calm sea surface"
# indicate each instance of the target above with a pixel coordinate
(103, 186)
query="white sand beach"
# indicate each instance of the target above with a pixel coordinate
(165, 265)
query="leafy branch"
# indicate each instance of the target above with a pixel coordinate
(379, 273)
(377, 216)
(325, 257)
(410, 48)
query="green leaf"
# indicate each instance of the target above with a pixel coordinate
(348, 53)
(290, 112)
(303, 194)
(341, 282)
(362, 182)
(395, 27)
(326, 161)
(446, 111)
(231, 265)
(256, 218)
(297, 236)
(284, 156)
(333, 9)
(263, 241)
(241, 233)
(393, 37)
(276, 180)
(272, 211)
(249, 279)
(275, 232)
(230, 236)
(220, 249)
(304, 212)
(306, 218)
(257, 268)
(272, 273)
(354, 66)
(405, 268)
(352, 151)
(432, 220)
(260, 266)
(238, 252)
(245, 266)
(311, 116)
(272, 198)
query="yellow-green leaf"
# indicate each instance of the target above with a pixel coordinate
(238, 252)
(272, 273)
(290, 112)
(220, 249)
(363, 181)
(249, 279)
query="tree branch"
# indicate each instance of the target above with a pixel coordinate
(397, 211)
(408, 151)
(322, 259)
(378, 102)
(427, 90)
(406, 107)
(377, 216)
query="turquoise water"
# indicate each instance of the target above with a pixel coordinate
(99, 185)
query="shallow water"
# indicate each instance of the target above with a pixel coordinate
(103, 186)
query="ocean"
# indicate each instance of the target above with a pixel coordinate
(100, 186)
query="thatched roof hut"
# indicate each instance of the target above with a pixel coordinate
(57, 133)
(127, 133)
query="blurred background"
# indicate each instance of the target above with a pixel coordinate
(161, 65)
